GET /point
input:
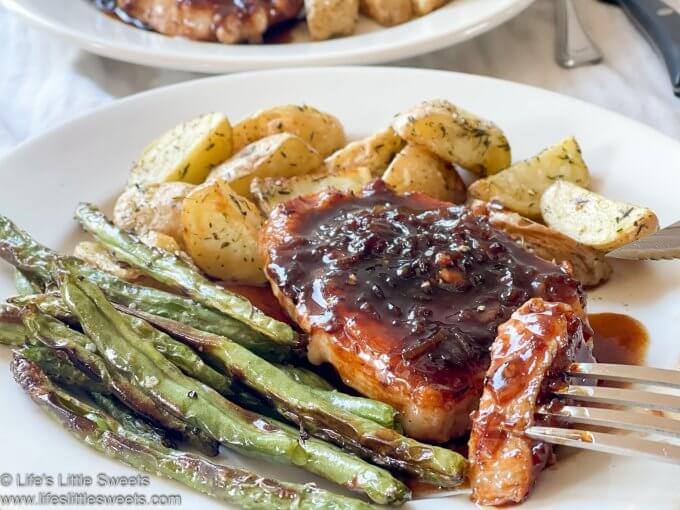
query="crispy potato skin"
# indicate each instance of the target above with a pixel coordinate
(322, 131)
(281, 155)
(270, 192)
(520, 187)
(455, 135)
(221, 231)
(330, 18)
(152, 207)
(187, 153)
(594, 220)
(374, 153)
(415, 168)
(387, 12)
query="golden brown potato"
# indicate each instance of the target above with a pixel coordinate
(387, 12)
(185, 153)
(330, 18)
(455, 135)
(374, 153)
(152, 207)
(161, 241)
(270, 192)
(422, 7)
(417, 169)
(320, 130)
(221, 233)
(594, 220)
(98, 256)
(282, 155)
(166, 243)
(520, 187)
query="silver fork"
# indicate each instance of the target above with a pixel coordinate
(616, 418)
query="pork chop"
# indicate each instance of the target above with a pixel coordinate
(531, 352)
(403, 295)
(227, 21)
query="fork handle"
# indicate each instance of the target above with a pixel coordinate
(573, 45)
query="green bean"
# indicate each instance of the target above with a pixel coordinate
(12, 331)
(82, 352)
(135, 358)
(129, 420)
(306, 377)
(379, 412)
(105, 434)
(42, 264)
(25, 284)
(57, 365)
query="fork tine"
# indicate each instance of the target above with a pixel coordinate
(607, 443)
(638, 398)
(627, 373)
(640, 422)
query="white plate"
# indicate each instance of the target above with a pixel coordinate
(90, 29)
(88, 159)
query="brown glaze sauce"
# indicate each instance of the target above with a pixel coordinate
(282, 33)
(618, 338)
(436, 279)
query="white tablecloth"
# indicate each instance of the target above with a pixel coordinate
(45, 81)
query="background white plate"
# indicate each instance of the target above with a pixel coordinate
(79, 22)
(88, 159)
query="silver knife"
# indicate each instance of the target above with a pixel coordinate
(659, 20)
(664, 244)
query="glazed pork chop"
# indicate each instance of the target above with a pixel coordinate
(529, 355)
(227, 21)
(403, 295)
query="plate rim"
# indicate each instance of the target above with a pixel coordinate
(167, 89)
(169, 58)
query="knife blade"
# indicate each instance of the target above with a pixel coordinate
(664, 244)
(659, 21)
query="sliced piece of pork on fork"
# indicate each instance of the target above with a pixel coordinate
(541, 370)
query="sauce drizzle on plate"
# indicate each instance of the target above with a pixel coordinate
(619, 338)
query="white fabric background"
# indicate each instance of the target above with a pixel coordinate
(45, 81)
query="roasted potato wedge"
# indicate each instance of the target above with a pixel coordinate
(153, 207)
(415, 168)
(329, 18)
(520, 187)
(455, 135)
(282, 155)
(422, 7)
(387, 12)
(374, 153)
(221, 233)
(97, 255)
(320, 130)
(186, 153)
(270, 192)
(594, 220)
